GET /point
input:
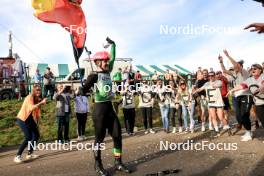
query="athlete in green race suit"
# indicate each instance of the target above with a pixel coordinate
(104, 116)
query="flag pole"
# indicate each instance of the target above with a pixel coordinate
(89, 57)
(79, 70)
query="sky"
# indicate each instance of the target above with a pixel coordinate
(149, 31)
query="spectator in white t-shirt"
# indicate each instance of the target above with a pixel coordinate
(215, 101)
(128, 104)
(242, 97)
(146, 101)
(255, 85)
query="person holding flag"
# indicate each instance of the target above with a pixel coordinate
(104, 116)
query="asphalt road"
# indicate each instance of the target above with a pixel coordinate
(142, 153)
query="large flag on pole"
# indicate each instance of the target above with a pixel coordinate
(67, 13)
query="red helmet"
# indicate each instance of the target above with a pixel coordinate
(101, 55)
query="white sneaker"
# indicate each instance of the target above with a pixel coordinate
(203, 129)
(226, 127)
(174, 130)
(192, 130)
(221, 125)
(80, 138)
(31, 156)
(246, 137)
(18, 159)
(59, 142)
(186, 130)
(84, 138)
(146, 131)
(211, 128)
(180, 129)
(152, 131)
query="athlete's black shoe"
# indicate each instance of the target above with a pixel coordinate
(98, 166)
(120, 166)
(99, 169)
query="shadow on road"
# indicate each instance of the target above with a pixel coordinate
(216, 168)
(133, 164)
(258, 170)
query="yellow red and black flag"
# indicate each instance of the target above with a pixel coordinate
(67, 13)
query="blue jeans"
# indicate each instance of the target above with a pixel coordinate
(164, 110)
(185, 111)
(31, 133)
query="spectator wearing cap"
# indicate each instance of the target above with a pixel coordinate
(255, 85)
(243, 97)
(47, 79)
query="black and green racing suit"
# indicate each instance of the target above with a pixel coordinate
(104, 116)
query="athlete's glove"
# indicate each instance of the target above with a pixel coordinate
(110, 41)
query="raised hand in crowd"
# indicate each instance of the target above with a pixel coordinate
(226, 53)
(220, 58)
(256, 27)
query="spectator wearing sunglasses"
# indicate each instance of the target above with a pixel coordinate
(215, 101)
(255, 85)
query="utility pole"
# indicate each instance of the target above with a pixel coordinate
(10, 44)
